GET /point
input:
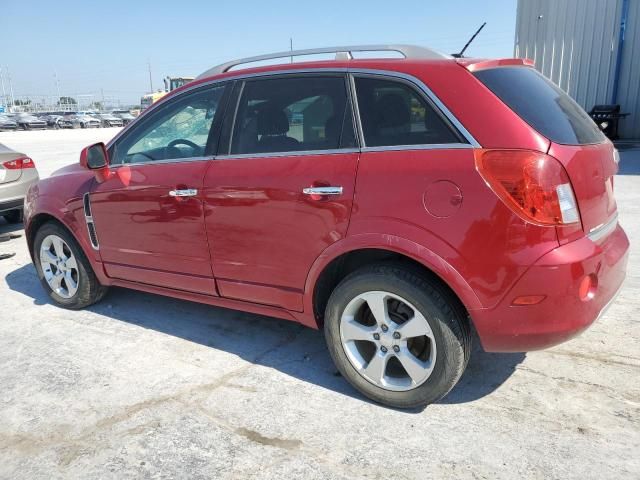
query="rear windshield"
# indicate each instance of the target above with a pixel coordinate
(541, 104)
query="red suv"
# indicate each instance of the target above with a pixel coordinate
(398, 203)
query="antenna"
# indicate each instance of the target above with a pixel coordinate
(460, 55)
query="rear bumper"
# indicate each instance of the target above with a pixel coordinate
(12, 194)
(562, 314)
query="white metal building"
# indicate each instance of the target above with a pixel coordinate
(590, 48)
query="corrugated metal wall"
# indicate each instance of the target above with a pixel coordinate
(574, 43)
(629, 85)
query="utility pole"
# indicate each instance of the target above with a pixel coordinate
(13, 100)
(150, 81)
(55, 76)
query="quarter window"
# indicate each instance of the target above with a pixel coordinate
(292, 114)
(177, 130)
(392, 114)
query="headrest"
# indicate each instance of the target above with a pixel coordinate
(272, 121)
(392, 111)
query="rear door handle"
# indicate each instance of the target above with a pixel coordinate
(189, 192)
(322, 191)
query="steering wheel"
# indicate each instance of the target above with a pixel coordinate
(183, 141)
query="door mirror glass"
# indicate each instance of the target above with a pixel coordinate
(94, 156)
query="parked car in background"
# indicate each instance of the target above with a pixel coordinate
(26, 121)
(7, 123)
(17, 174)
(124, 115)
(53, 120)
(484, 204)
(78, 120)
(109, 120)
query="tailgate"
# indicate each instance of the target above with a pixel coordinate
(591, 169)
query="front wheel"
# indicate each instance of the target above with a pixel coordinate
(397, 336)
(63, 269)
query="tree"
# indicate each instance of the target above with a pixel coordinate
(96, 106)
(21, 103)
(67, 101)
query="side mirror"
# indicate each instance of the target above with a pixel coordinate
(95, 157)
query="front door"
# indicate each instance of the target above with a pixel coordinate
(281, 189)
(149, 214)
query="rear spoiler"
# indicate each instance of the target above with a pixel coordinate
(475, 64)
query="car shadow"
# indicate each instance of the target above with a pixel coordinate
(285, 346)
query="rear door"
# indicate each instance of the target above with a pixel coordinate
(281, 189)
(149, 214)
(577, 141)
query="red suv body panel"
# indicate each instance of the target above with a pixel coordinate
(427, 204)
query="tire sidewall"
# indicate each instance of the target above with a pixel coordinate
(84, 286)
(448, 351)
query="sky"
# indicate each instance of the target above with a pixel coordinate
(97, 48)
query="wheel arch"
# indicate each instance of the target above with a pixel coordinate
(35, 223)
(349, 254)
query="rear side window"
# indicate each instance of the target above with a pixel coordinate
(293, 114)
(393, 114)
(541, 104)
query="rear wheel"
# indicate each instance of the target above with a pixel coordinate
(396, 336)
(14, 216)
(63, 269)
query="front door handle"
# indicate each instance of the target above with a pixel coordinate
(189, 192)
(322, 191)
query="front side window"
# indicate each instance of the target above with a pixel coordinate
(393, 114)
(177, 130)
(292, 114)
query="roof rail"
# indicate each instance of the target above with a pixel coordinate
(408, 51)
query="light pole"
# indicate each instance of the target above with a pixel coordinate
(4, 92)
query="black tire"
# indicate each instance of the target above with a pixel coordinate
(14, 216)
(89, 289)
(444, 313)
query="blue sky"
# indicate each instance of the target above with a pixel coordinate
(94, 45)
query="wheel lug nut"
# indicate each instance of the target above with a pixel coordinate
(396, 348)
(383, 349)
(376, 336)
(396, 334)
(384, 328)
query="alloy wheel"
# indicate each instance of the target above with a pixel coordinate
(388, 341)
(59, 266)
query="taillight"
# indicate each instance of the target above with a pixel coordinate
(534, 185)
(19, 164)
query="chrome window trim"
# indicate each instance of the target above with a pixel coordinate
(161, 162)
(604, 229)
(426, 146)
(295, 153)
(351, 71)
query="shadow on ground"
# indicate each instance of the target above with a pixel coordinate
(288, 347)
